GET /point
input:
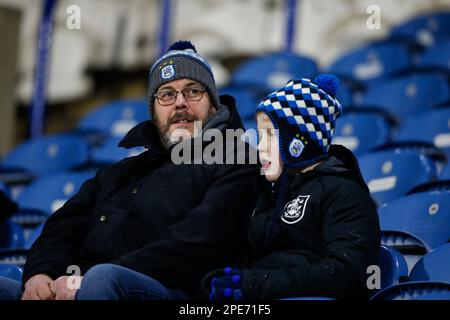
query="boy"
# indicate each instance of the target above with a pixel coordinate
(318, 230)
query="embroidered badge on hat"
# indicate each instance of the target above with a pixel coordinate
(167, 72)
(295, 210)
(296, 148)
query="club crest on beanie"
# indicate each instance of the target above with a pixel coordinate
(304, 112)
(182, 61)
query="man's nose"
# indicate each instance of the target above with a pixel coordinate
(180, 101)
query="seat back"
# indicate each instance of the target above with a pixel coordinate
(434, 266)
(432, 127)
(11, 235)
(362, 131)
(390, 174)
(49, 154)
(420, 220)
(48, 194)
(373, 61)
(11, 271)
(273, 71)
(115, 118)
(408, 95)
(109, 152)
(393, 267)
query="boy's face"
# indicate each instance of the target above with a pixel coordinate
(268, 148)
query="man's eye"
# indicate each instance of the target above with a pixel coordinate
(193, 91)
(167, 95)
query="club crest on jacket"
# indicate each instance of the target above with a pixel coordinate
(294, 210)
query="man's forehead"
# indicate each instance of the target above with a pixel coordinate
(181, 83)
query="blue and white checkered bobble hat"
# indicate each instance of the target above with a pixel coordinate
(304, 112)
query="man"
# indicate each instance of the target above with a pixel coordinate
(146, 228)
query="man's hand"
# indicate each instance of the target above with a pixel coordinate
(38, 288)
(65, 287)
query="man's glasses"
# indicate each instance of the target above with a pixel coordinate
(168, 97)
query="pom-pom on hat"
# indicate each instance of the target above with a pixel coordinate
(182, 61)
(304, 112)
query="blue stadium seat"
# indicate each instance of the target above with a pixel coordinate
(393, 267)
(373, 61)
(246, 101)
(436, 185)
(429, 279)
(115, 118)
(16, 257)
(50, 154)
(271, 72)
(11, 235)
(445, 174)
(425, 29)
(418, 222)
(415, 291)
(434, 266)
(48, 194)
(33, 236)
(11, 271)
(362, 131)
(432, 126)
(109, 152)
(7, 205)
(390, 174)
(408, 95)
(436, 57)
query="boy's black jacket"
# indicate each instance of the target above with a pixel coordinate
(327, 251)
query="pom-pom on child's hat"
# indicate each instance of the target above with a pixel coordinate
(304, 112)
(182, 61)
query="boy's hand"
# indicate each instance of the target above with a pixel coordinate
(38, 288)
(226, 285)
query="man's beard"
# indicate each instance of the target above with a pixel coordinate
(167, 139)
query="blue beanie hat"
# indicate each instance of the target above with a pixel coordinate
(182, 61)
(304, 112)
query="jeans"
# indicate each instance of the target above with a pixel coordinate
(112, 282)
(10, 289)
(108, 282)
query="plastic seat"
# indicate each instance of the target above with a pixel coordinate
(445, 173)
(373, 61)
(11, 235)
(11, 271)
(432, 126)
(429, 279)
(7, 205)
(362, 131)
(272, 71)
(425, 29)
(116, 118)
(109, 152)
(415, 291)
(419, 221)
(48, 194)
(246, 101)
(50, 154)
(390, 174)
(434, 266)
(437, 57)
(393, 267)
(408, 95)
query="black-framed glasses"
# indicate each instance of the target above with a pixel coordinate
(166, 97)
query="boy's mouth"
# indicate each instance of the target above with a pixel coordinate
(265, 165)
